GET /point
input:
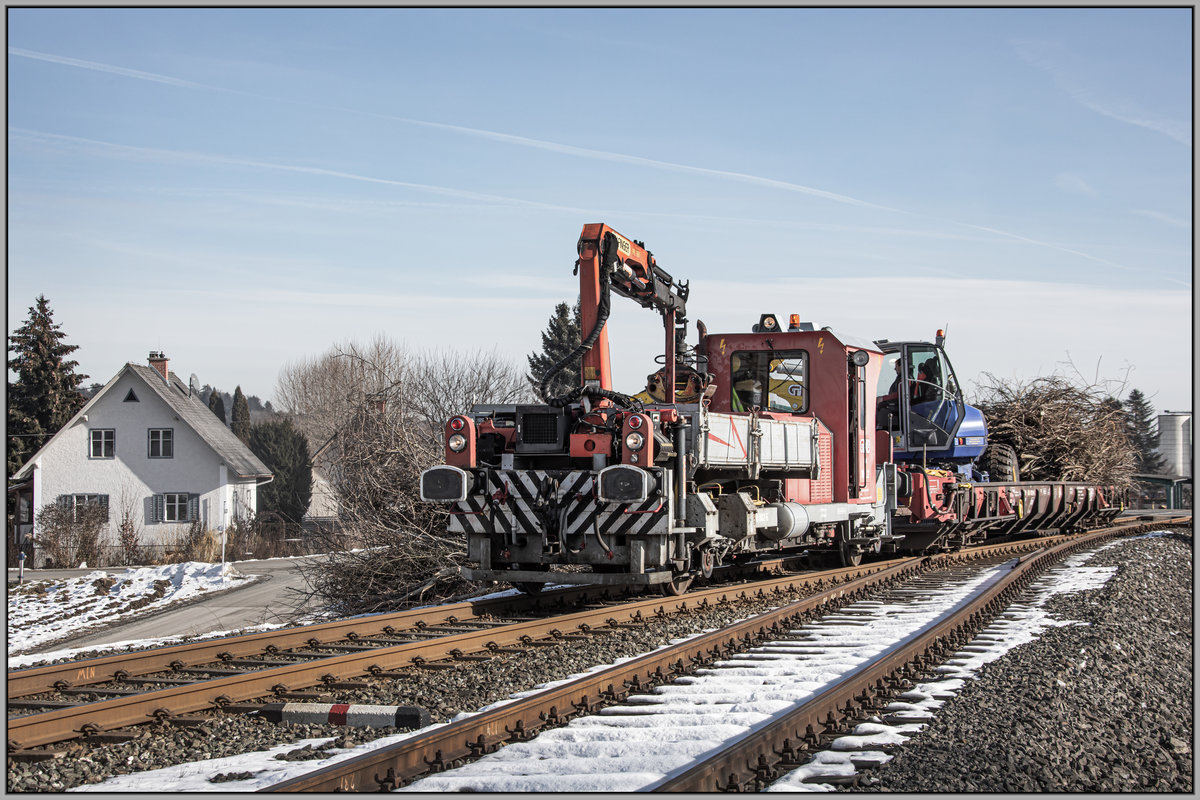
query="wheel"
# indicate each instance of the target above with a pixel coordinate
(529, 588)
(849, 555)
(1001, 463)
(708, 560)
(677, 585)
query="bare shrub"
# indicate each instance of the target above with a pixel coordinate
(129, 528)
(381, 412)
(1061, 428)
(200, 544)
(71, 536)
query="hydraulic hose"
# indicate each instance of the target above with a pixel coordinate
(602, 311)
(928, 496)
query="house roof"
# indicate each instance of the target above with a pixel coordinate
(190, 410)
(237, 456)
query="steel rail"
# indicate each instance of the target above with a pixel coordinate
(439, 748)
(53, 726)
(48, 727)
(73, 674)
(750, 762)
(515, 721)
(34, 680)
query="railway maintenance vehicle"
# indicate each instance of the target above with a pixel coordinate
(770, 441)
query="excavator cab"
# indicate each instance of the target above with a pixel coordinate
(920, 403)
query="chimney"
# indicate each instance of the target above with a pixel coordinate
(159, 362)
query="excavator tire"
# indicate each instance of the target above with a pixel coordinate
(1000, 462)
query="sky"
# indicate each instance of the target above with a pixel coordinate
(245, 188)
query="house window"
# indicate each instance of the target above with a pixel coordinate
(131, 397)
(102, 443)
(75, 503)
(176, 507)
(162, 443)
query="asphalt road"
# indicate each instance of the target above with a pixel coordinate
(277, 596)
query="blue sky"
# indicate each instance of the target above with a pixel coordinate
(245, 187)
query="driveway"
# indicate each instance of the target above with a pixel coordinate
(278, 596)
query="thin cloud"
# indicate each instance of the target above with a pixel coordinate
(1050, 57)
(109, 69)
(1161, 217)
(179, 155)
(510, 139)
(523, 141)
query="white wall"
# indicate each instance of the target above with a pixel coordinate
(131, 477)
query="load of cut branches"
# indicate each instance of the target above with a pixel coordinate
(1062, 429)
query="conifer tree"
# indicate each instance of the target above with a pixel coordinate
(559, 339)
(46, 393)
(285, 452)
(1142, 427)
(216, 404)
(240, 420)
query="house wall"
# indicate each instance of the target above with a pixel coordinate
(131, 478)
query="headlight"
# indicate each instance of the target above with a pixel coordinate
(457, 442)
(623, 484)
(634, 441)
(444, 484)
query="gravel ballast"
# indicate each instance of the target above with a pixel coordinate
(1015, 729)
(1101, 707)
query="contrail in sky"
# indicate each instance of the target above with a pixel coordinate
(494, 135)
(523, 141)
(154, 152)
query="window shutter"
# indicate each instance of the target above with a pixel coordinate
(64, 501)
(193, 507)
(158, 508)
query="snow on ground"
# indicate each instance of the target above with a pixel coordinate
(577, 749)
(45, 611)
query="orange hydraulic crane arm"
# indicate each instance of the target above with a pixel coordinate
(610, 262)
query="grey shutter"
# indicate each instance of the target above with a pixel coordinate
(64, 501)
(104, 505)
(193, 507)
(159, 502)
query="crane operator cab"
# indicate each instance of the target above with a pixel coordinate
(919, 402)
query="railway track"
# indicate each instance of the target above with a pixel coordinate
(754, 758)
(96, 698)
(333, 655)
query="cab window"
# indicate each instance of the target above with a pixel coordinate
(772, 381)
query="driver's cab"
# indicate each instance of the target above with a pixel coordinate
(919, 402)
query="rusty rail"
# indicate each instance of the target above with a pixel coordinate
(438, 749)
(61, 724)
(754, 761)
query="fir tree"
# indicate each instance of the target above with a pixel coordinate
(285, 452)
(217, 405)
(1142, 426)
(560, 338)
(46, 393)
(240, 420)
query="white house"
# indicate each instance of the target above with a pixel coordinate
(146, 445)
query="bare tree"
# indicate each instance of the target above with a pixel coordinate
(374, 414)
(445, 383)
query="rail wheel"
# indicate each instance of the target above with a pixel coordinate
(528, 587)
(708, 560)
(677, 585)
(850, 555)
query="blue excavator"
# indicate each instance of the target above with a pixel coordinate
(919, 402)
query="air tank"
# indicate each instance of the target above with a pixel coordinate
(792, 520)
